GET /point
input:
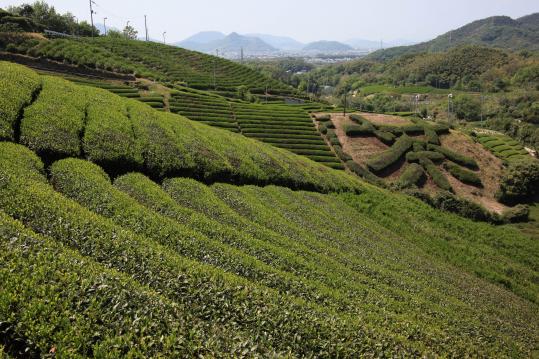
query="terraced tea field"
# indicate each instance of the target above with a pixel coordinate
(131, 232)
(168, 64)
(287, 127)
(503, 146)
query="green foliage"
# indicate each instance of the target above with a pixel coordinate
(431, 155)
(18, 86)
(455, 157)
(520, 182)
(108, 135)
(323, 117)
(357, 130)
(122, 135)
(462, 174)
(466, 108)
(463, 207)
(94, 309)
(387, 158)
(44, 16)
(437, 176)
(52, 125)
(386, 137)
(431, 135)
(518, 213)
(413, 175)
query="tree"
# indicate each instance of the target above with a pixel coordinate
(130, 32)
(467, 108)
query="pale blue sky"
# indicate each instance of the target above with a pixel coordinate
(305, 20)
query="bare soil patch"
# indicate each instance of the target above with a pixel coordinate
(490, 171)
(389, 120)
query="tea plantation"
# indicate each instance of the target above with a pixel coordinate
(288, 127)
(131, 232)
(153, 60)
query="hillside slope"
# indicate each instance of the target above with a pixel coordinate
(57, 119)
(497, 31)
(169, 64)
(100, 262)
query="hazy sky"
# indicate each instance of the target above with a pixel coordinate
(305, 20)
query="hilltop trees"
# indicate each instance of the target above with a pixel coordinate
(46, 16)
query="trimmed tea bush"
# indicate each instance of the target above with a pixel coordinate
(393, 154)
(437, 176)
(455, 157)
(412, 176)
(431, 155)
(18, 86)
(386, 137)
(462, 174)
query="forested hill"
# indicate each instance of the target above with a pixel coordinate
(496, 31)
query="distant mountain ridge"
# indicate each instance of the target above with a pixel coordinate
(496, 31)
(327, 46)
(233, 42)
(284, 43)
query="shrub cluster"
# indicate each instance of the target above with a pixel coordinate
(431, 155)
(520, 182)
(393, 154)
(386, 137)
(437, 176)
(18, 86)
(413, 175)
(455, 157)
(352, 130)
(462, 174)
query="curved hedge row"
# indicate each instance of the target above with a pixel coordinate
(412, 176)
(455, 157)
(462, 174)
(18, 85)
(385, 159)
(437, 176)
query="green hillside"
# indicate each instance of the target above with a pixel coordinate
(66, 120)
(111, 246)
(152, 60)
(496, 31)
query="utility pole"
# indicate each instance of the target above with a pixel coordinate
(242, 54)
(105, 25)
(164, 38)
(146, 27)
(215, 70)
(449, 97)
(126, 30)
(92, 17)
